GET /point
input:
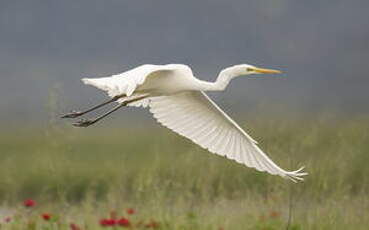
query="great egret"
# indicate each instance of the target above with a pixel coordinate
(178, 101)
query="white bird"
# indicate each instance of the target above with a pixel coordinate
(178, 101)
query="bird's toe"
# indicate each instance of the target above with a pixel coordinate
(72, 114)
(84, 123)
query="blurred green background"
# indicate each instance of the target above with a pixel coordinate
(166, 176)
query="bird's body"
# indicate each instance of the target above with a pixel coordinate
(178, 101)
(163, 80)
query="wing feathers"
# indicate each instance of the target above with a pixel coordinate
(195, 116)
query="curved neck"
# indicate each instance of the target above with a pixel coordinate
(224, 77)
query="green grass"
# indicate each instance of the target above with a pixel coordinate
(81, 175)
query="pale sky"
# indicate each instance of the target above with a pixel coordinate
(321, 46)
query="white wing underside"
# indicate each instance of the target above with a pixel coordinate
(195, 116)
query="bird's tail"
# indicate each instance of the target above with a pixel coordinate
(101, 83)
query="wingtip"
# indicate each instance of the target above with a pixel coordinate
(297, 175)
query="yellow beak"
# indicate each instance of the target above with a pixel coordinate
(261, 70)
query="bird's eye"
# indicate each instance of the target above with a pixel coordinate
(249, 69)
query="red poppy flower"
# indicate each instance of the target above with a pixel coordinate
(29, 203)
(107, 222)
(8, 219)
(104, 222)
(74, 227)
(131, 211)
(46, 216)
(112, 222)
(124, 222)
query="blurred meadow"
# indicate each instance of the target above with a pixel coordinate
(82, 175)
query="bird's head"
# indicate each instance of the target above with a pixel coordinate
(229, 73)
(246, 69)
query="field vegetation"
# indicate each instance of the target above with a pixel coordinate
(82, 176)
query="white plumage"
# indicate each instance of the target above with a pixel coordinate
(177, 100)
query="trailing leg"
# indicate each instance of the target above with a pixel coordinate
(74, 114)
(88, 122)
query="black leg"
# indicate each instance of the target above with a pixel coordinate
(88, 122)
(74, 114)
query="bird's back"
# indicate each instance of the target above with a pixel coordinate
(126, 83)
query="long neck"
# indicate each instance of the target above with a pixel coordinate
(224, 77)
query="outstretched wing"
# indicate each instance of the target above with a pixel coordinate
(195, 116)
(126, 83)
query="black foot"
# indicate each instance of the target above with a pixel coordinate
(72, 114)
(84, 123)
